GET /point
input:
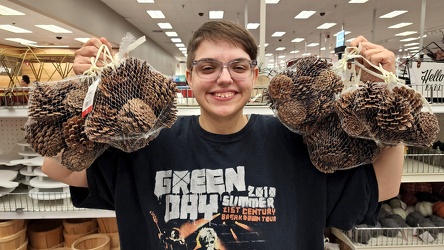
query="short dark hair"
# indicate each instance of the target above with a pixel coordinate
(25, 78)
(225, 31)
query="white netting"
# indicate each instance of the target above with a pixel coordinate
(130, 103)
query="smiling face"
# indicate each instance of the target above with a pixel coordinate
(223, 97)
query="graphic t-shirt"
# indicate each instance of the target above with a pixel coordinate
(255, 189)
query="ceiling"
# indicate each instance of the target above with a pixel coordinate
(184, 18)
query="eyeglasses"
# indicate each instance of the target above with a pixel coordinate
(211, 69)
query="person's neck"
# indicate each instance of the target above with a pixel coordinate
(223, 125)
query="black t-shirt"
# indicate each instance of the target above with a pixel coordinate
(255, 189)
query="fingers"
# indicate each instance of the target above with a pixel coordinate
(82, 56)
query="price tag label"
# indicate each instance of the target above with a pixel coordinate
(89, 98)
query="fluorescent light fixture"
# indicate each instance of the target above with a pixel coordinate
(393, 14)
(265, 45)
(145, 1)
(306, 54)
(345, 33)
(14, 29)
(5, 11)
(409, 39)
(216, 14)
(268, 54)
(53, 28)
(165, 25)
(412, 48)
(176, 40)
(155, 13)
(281, 56)
(280, 48)
(278, 34)
(349, 40)
(48, 46)
(323, 48)
(406, 33)
(294, 52)
(400, 25)
(305, 14)
(358, 1)
(252, 26)
(171, 33)
(272, 1)
(410, 44)
(297, 40)
(183, 49)
(326, 26)
(180, 45)
(82, 39)
(20, 40)
(313, 45)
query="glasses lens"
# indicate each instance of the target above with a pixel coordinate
(211, 69)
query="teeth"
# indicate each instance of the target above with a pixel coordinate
(224, 95)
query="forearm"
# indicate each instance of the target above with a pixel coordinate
(388, 169)
(56, 171)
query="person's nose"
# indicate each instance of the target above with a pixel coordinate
(225, 75)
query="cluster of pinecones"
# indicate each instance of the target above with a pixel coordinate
(132, 104)
(55, 126)
(387, 116)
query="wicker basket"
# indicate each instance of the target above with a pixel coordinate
(24, 246)
(13, 241)
(107, 225)
(92, 242)
(79, 226)
(51, 248)
(70, 238)
(9, 227)
(45, 234)
(115, 240)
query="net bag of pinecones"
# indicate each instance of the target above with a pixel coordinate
(331, 148)
(304, 93)
(132, 103)
(55, 127)
(388, 112)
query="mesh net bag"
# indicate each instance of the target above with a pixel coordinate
(55, 127)
(331, 148)
(388, 112)
(132, 103)
(304, 93)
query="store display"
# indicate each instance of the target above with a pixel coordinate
(7, 177)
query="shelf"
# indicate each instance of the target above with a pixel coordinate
(418, 171)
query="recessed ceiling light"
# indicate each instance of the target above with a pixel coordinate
(145, 1)
(216, 14)
(20, 40)
(406, 33)
(176, 40)
(297, 40)
(393, 14)
(409, 39)
(183, 49)
(294, 52)
(165, 25)
(410, 44)
(252, 26)
(5, 11)
(357, 1)
(326, 26)
(171, 33)
(268, 54)
(278, 34)
(81, 39)
(345, 33)
(305, 14)
(180, 45)
(13, 28)
(313, 45)
(323, 48)
(306, 54)
(280, 48)
(53, 28)
(272, 1)
(265, 45)
(281, 56)
(400, 25)
(155, 13)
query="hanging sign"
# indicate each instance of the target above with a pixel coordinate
(428, 78)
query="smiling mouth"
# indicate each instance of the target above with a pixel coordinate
(224, 95)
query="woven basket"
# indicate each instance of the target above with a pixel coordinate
(70, 238)
(45, 234)
(115, 240)
(79, 226)
(107, 225)
(13, 241)
(9, 227)
(51, 248)
(92, 242)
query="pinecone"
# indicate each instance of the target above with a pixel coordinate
(74, 134)
(414, 98)
(44, 138)
(74, 99)
(100, 127)
(76, 160)
(292, 113)
(279, 89)
(136, 118)
(429, 128)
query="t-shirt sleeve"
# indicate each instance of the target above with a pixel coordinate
(101, 177)
(352, 198)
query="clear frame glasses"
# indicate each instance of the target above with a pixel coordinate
(210, 69)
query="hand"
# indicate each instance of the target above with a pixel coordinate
(377, 55)
(82, 56)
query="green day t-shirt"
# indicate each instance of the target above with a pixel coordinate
(255, 189)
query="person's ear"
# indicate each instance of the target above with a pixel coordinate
(188, 75)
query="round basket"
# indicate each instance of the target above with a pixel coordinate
(79, 226)
(24, 246)
(107, 225)
(9, 227)
(115, 240)
(70, 238)
(45, 234)
(13, 241)
(51, 248)
(92, 242)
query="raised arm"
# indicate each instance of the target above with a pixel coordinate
(388, 167)
(56, 171)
